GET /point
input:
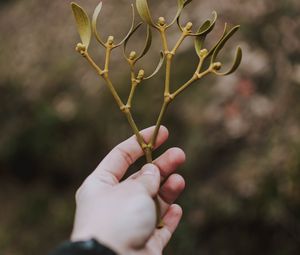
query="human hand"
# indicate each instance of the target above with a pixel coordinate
(122, 215)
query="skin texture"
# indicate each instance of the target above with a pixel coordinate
(121, 214)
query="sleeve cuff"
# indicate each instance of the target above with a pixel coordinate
(90, 247)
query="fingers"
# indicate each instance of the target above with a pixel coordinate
(171, 220)
(174, 184)
(170, 191)
(169, 161)
(150, 179)
(123, 155)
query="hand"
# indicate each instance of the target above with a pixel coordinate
(122, 215)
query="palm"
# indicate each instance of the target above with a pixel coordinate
(123, 156)
(131, 197)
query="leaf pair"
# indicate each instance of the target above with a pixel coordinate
(144, 11)
(199, 40)
(145, 50)
(181, 4)
(227, 34)
(147, 44)
(85, 27)
(96, 33)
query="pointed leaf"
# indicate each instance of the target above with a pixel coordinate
(94, 23)
(226, 30)
(131, 27)
(222, 42)
(207, 29)
(160, 64)
(147, 43)
(181, 4)
(199, 40)
(83, 24)
(144, 12)
(178, 24)
(236, 63)
(129, 36)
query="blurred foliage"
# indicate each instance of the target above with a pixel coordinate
(241, 134)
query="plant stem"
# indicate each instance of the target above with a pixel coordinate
(131, 94)
(148, 154)
(168, 97)
(179, 42)
(126, 110)
(158, 123)
(168, 73)
(184, 86)
(195, 77)
(146, 148)
(117, 98)
(164, 39)
(107, 57)
(133, 88)
(92, 63)
(198, 70)
(168, 55)
(113, 91)
(104, 74)
(134, 128)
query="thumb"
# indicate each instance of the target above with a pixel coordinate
(150, 178)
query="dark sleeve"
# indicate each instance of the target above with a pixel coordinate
(91, 247)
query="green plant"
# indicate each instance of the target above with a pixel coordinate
(86, 29)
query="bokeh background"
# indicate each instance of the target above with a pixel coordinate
(241, 133)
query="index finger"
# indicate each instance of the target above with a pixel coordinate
(116, 163)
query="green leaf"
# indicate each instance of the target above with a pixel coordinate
(129, 36)
(236, 63)
(187, 2)
(181, 4)
(144, 12)
(131, 27)
(94, 23)
(160, 64)
(147, 43)
(204, 30)
(199, 40)
(83, 24)
(226, 29)
(222, 42)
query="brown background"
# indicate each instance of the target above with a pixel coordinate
(241, 133)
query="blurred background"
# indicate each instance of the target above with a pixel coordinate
(241, 133)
